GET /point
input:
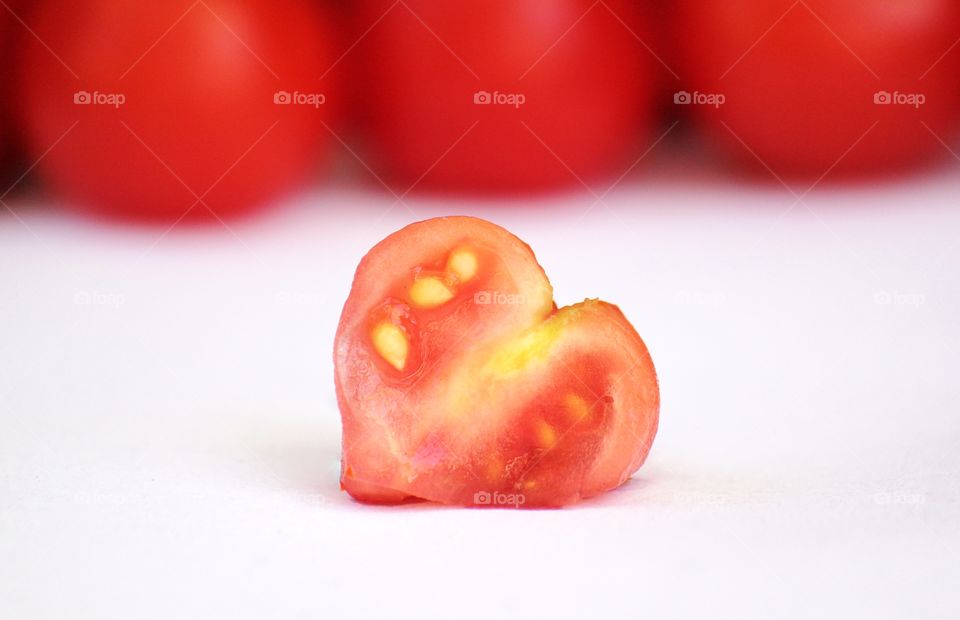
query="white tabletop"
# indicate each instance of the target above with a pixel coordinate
(169, 434)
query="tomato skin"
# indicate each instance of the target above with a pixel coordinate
(8, 36)
(199, 113)
(588, 93)
(501, 397)
(801, 93)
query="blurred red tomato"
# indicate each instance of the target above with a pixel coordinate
(148, 106)
(804, 82)
(8, 33)
(498, 95)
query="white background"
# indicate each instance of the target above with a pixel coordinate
(170, 449)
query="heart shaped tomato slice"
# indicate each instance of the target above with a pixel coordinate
(459, 381)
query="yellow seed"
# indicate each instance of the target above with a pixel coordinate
(576, 406)
(391, 343)
(463, 264)
(546, 435)
(430, 292)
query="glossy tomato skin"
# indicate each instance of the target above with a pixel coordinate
(802, 81)
(9, 33)
(503, 399)
(501, 96)
(203, 112)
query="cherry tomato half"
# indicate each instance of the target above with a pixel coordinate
(459, 381)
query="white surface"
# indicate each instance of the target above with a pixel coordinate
(170, 449)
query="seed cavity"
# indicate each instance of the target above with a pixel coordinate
(463, 264)
(546, 435)
(430, 292)
(577, 408)
(391, 344)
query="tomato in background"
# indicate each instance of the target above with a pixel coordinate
(8, 37)
(802, 81)
(171, 101)
(500, 96)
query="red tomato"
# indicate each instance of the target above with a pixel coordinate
(498, 95)
(459, 381)
(805, 82)
(174, 101)
(8, 32)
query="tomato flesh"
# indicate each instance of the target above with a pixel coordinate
(497, 397)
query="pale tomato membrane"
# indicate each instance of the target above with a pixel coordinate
(460, 382)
